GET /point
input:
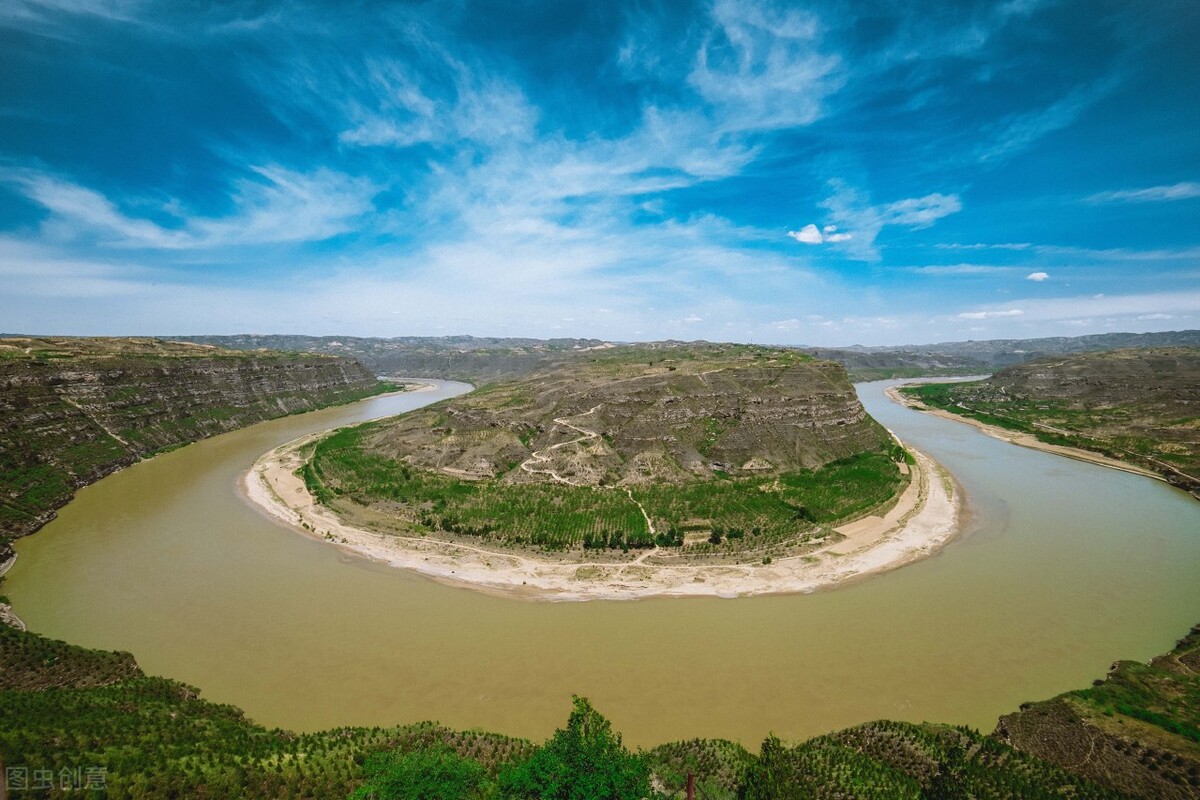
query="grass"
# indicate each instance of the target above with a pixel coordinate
(1084, 428)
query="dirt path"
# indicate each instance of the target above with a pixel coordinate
(541, 457)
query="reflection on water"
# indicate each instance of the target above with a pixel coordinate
(1065, 568)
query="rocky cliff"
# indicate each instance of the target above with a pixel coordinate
(74, 410)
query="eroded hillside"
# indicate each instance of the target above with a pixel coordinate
(74, 410)
(632, 417)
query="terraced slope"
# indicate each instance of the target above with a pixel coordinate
(729, 446)
(1140, 406)
(1138, 730)
(73, 410)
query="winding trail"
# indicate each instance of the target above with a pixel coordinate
(541, 457)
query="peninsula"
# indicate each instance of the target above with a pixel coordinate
(679, 470)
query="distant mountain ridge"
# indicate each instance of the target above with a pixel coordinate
(487, 359)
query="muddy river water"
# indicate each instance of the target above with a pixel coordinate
(1063, 567)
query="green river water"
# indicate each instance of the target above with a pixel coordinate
(1063, 568)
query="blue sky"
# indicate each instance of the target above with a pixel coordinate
(821, 173)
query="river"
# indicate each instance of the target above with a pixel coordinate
(1064, 567)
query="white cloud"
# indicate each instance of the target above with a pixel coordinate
(851, 208)
(811, 234)
(274, 206)
(692, 318)
(921, 212)
(1011, 312)
(1037, 277)
(1177, 191)
(762, 68)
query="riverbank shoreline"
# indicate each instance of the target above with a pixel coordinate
(1023, 439)
(7, 615)
(928, 515)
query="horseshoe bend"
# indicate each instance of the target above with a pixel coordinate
(683, 470)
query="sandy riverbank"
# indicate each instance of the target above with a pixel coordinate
(1022, 439)
(925, 518)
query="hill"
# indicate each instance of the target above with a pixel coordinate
(1141, 406)
(999, 353)
(465, 358)
(708, 449)
(74, 410)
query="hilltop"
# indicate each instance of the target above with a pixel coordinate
(661, 415)
(629, 445)
(1138, 406)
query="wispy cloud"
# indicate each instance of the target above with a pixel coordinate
(763, 67)
(850, 208)
(961, 269)
(272, 205)
(1019, 132)
(1008, 312)
(1153, 194)
(1037, 276)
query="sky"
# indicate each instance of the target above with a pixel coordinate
(823, 173)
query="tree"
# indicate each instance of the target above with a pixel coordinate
(584, 761)
(437, 773)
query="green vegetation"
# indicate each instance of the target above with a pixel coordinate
(66, 707)
(93, 713)
(583, 761)
(437, 773)
(1136, 406)
(902, 760)
(746, 511)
